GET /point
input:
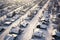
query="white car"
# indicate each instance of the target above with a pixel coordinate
(10, 37)
(10, 19)
(24, 24)
(38, 32)
(7, 23)
(38, 35)
(43, 18)
(16, 16)
(15, 30)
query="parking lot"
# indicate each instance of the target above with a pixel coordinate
(34, 20)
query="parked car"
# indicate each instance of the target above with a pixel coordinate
(44, 27)
(10, 19)
(11, 15)
(7, 23)
(14, 30)
(37, 32)
(10, 36)
(24, 24)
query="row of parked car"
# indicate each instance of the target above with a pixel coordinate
(39, 33)
(11, 18)
(8, 9)
(15, 31)
(15, 15)
(2, 5)
(55, 21)
(32, 13)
